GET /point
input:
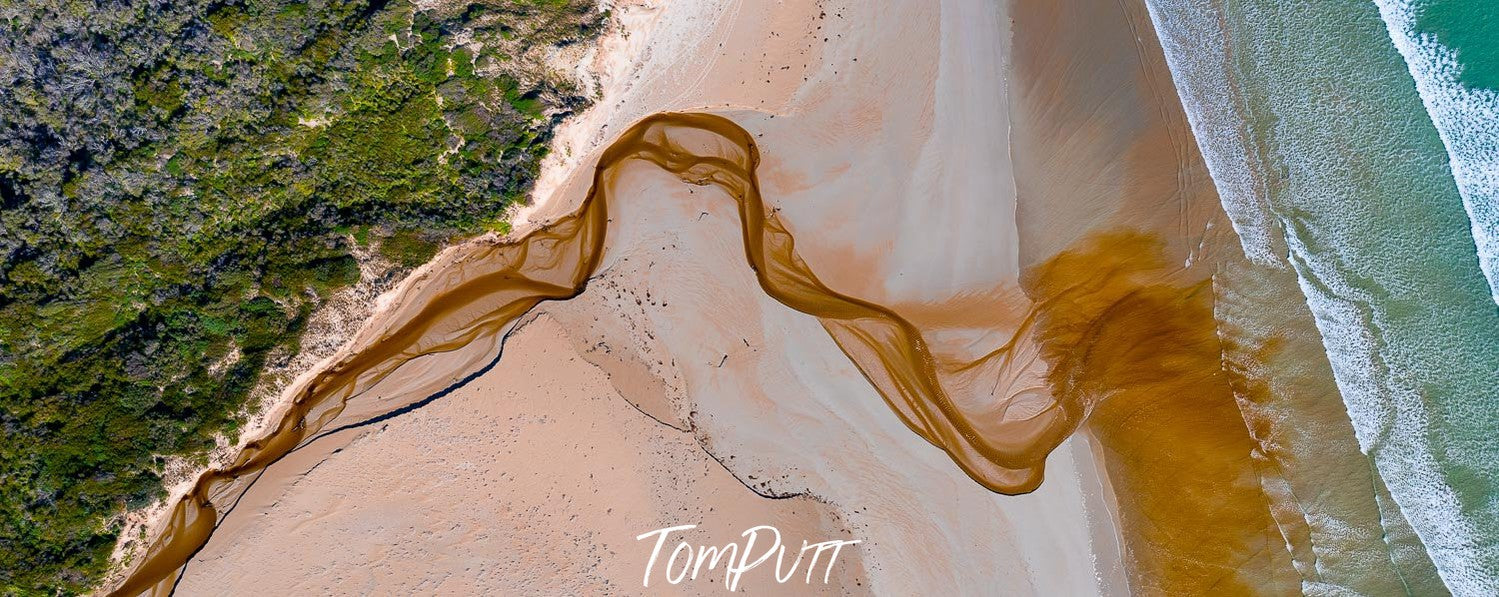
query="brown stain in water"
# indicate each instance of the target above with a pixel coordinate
(1108, 334)
(1117, 208)
(1140, 352)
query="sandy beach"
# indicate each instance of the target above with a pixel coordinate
(535, 477)
(674, 390)
(849, 117)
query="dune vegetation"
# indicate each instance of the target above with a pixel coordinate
(182, 184)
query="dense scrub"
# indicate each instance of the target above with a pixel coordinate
(180, 183)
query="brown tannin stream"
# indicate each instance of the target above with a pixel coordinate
(1003, 452)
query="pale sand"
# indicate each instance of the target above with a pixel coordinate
(772, 391)
(786, 412)
(535, 478)
(886, 151)
(885, 135)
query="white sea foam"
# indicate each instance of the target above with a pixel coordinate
(1189, 28)
(1379, 364)
(1467, 120)
(1391, 421)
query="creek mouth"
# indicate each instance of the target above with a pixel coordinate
(481, 295)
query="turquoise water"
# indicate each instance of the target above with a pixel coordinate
(1351, 146)
(1469, 29)
(1452, 50)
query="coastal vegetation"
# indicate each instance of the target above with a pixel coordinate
(182, 184)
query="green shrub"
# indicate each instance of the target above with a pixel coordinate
(216, 170)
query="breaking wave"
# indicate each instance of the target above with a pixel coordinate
(1327, 165)
(1467, 120)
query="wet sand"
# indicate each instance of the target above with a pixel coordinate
(1120, 221)
(1225, 439)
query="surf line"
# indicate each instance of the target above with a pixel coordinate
(494, 286)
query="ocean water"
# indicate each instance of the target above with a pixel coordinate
(1354, 143)
(1452, 50)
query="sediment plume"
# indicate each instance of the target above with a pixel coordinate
(1123, 221)
(1214, 407)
